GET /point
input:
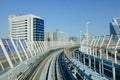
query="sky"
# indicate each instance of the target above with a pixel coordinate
(69, 16)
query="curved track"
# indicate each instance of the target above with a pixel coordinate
(47, 68)
(53, 66)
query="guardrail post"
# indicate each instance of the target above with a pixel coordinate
(41, 46)
(84, 59)
(102, 67)
(23, 49)
(34, 47)
(113, 71)
(29, 48)
(11, 51)
(96, 45)
(101, 46)
(94, 54)
(90, 52)
(2, 66)
(116, 50)
(108, 46)
(38, 48)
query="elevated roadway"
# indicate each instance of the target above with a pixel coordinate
(47, 68)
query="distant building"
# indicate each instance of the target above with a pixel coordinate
(47, 36)
(115, 28)
(85, 36)
(74, 39)
(28, 27)
(60, 36)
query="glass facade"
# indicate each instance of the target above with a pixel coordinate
(38, 29)
(115, 28)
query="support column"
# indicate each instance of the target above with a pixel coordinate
(108, 46)
(101, 46)
(115, 54)
(28, 48)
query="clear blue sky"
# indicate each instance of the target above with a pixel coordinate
(69, 16)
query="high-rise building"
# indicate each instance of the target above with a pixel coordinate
(60, 36)
(28, 27)
(115, 28)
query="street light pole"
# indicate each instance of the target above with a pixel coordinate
(80, 36)
(87, 34)
(80, 39)
(87, 27)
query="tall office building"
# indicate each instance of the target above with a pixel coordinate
(60, 36)
(115, 28)
(28, 27)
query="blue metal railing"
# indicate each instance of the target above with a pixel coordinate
(66, 73)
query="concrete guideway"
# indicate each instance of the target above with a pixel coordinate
(53, 72)
(46, 67)
(56, 65)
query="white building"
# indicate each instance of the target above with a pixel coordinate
(74, 39)
(28, 27)
(60, 36)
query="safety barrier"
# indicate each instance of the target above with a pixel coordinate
(105, 47)
(16, 56)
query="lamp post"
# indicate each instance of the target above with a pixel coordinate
(80, 36)
(80, 39)
(87, 23)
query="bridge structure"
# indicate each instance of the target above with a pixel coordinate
(95, 58)
(101, 54)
